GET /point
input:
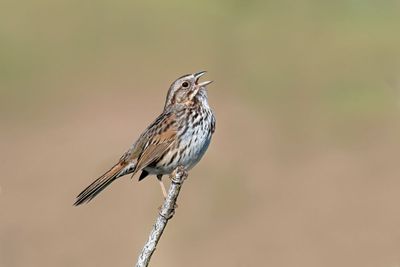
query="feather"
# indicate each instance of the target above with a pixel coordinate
(100, 183)
(150, 146)
(143, 175)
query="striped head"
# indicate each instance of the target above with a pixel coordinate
(186, 89)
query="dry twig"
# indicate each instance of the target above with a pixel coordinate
(166, 212)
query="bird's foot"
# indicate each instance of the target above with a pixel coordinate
(167, 214)
(179, 175)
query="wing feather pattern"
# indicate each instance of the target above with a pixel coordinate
(150, 146)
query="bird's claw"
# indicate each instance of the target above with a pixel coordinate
(169, 214)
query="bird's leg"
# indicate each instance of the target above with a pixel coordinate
(164, 191)
(159, 177)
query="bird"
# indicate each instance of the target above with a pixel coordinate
(179, 136)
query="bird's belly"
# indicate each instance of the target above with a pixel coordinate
(188, 152)
(197, 146)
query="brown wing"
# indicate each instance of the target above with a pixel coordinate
(158, 142)
(151, 145)
(152, 153)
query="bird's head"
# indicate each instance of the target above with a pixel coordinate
(185, 90)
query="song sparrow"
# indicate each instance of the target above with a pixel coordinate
(178, 137)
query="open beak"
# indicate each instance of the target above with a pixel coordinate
(197, 77)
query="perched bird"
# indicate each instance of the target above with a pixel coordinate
(178, 137)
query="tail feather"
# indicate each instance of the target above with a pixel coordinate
(100, 183)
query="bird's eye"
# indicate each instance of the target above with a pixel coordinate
(185, 85)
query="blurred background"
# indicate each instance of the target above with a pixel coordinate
(304, 166)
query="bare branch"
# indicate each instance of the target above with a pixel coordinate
(166, 212)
